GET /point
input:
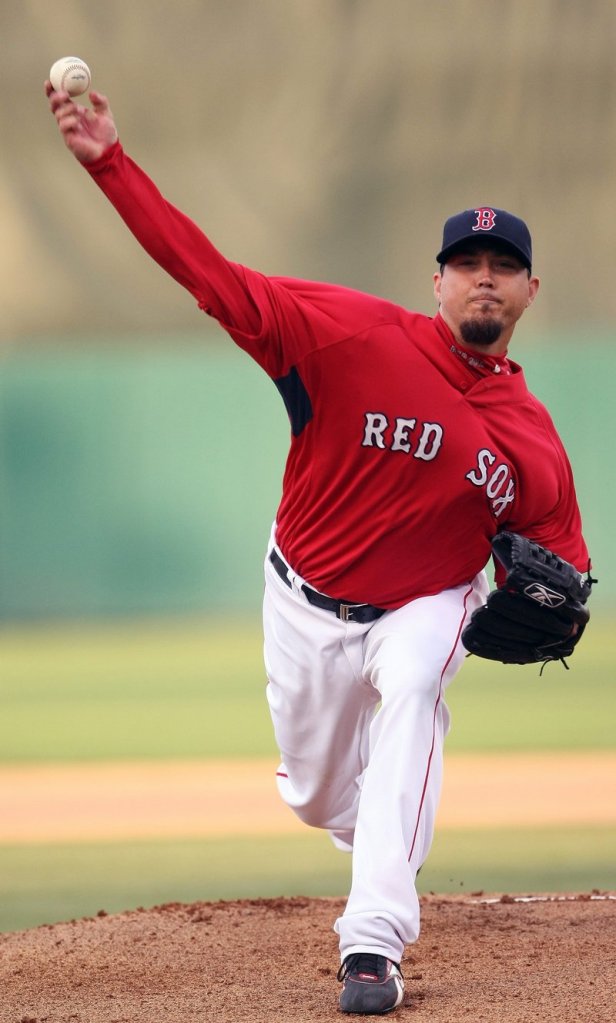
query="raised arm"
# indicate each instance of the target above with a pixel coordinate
(224, 289)
(276, 320)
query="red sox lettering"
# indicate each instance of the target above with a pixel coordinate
(404, 436)
(499, 484)
(424, 441)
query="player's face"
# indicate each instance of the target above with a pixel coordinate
(482, 292)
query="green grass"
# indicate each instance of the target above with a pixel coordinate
(49, 883)
(499, 708)
(196, 689)
(176, 689)
(141, 689)
(526, 859)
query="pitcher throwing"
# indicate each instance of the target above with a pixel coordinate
(414, 443)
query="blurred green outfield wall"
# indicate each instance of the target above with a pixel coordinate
(144, 480)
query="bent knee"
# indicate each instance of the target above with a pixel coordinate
(313, 815)
(319, 807)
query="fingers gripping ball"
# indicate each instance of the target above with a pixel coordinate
(70, 74)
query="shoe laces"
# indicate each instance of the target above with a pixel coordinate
(370, 965)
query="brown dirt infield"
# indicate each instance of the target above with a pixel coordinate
(499, 959)
(261, 961)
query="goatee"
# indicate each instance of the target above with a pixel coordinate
(482, 332)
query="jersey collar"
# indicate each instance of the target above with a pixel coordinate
(478, 365)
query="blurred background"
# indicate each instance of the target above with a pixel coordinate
(141, 453)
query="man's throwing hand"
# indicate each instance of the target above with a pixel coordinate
(86, 132)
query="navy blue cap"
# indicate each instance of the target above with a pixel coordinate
(486, 222)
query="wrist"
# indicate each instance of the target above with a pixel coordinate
(106, 157)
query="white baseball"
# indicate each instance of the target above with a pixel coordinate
(70, 74)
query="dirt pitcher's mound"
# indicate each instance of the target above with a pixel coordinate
(500, 960)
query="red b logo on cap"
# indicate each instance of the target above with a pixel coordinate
(485, 219)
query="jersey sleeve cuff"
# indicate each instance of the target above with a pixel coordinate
(110, 155)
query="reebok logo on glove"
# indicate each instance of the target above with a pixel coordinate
(544, 596)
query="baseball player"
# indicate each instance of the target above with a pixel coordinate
(414, 443)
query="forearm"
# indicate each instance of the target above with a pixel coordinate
(174, 241)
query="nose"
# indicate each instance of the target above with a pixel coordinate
(485, 274)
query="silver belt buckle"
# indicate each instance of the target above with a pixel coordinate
(345, 612)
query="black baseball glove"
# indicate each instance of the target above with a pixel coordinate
(540, 612)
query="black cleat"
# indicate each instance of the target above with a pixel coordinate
(371, 984)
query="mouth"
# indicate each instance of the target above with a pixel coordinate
(485, 300)
(485, 306)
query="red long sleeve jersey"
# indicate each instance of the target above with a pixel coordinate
(405, 457)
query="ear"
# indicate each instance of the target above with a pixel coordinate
(436, 280)
(533, 288)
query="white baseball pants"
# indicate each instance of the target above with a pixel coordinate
(360, 718)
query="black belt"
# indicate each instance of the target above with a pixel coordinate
(346, 612)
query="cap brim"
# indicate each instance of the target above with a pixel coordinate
(448, 252)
